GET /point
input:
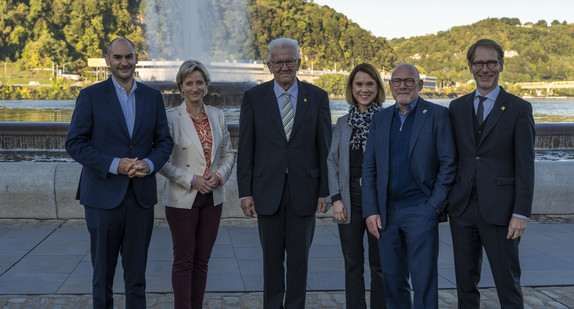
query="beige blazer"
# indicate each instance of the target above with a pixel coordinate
(187, 157)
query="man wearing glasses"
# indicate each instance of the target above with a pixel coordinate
(408, 169)
(284, 137)
(491, 198)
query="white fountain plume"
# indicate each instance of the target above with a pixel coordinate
(214, 32)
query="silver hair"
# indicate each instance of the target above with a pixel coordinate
(283, 43)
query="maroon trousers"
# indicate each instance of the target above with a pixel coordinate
(193, 232)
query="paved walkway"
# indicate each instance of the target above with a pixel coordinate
(46, 264)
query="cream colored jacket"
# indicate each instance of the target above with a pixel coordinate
(187, 157)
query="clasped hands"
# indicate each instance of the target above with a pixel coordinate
(133, 167)
(205, 184)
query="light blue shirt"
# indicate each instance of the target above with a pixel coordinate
(128, 105)
(281, 98)
(488, 104)
(410, 107)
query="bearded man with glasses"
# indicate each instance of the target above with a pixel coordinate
(491, 198)
(408, 169)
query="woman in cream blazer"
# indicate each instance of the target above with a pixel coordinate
(201, 161)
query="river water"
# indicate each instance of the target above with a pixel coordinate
(558, 110)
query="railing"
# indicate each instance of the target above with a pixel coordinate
(52, 135)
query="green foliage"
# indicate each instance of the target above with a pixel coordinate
(334, 84)
(41, 32)
(59, 90)
(540, 53)
(326, 38)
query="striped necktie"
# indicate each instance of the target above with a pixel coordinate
(288, 115)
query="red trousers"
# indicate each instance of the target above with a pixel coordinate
(193, 232)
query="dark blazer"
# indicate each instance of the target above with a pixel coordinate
(431, 157)
(264, 154)
(98, 133)
(503, 159)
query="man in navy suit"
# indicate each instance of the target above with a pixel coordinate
(284, 137)
(491, 197)
(119, 135)
(408, 169)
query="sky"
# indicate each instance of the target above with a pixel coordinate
(397, 18)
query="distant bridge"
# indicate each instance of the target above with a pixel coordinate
(549, 86)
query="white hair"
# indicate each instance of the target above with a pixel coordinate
(283, 43)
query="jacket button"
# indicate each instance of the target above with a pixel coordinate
(187, 165)
(184, 148)
(477, 157)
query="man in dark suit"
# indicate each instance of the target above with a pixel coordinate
(284, 137)
(407, 172)
(491, 198)
(115, 124)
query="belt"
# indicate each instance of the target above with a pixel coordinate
(357, 179)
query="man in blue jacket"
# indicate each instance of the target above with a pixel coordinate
(119, 135)
(407, 172)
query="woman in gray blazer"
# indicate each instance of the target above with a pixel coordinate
(201, 161)
(365, 93)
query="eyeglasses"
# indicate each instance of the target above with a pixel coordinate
(279, 64)
(491, 64)
(398, 81)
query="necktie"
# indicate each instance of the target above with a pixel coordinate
(287, 114)
(480, 110)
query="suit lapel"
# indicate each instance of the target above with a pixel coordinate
(468, 116)
(302, 105)
(215, 137)
(115, 108)
(187, 127)
(420, 118)
(385, 139)
(140, 107)
(270, 102)
(495, 114)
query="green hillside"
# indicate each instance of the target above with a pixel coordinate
(39, 33)
(36, 32)
(535, 52)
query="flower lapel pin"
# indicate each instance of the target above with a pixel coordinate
(503, 108)
(424, 111)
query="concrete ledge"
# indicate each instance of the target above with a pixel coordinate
(32, 190)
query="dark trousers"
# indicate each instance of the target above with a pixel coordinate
(124, 230)
(351, 236)
(409, 245)
(470, 233)
(285, 235)
(193, 232)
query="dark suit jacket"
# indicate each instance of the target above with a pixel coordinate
(264, 154)
(98, 133)
(503, 160)
(431, 157)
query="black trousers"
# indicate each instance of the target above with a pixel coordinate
(351, 236)
(470, 233)
(284, 234)
(124, 230)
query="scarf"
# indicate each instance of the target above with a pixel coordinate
(361, 123)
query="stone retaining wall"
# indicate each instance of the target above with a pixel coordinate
(47, 191)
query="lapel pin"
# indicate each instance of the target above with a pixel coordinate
(424, 111)
(305, 100)
(503, 108)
